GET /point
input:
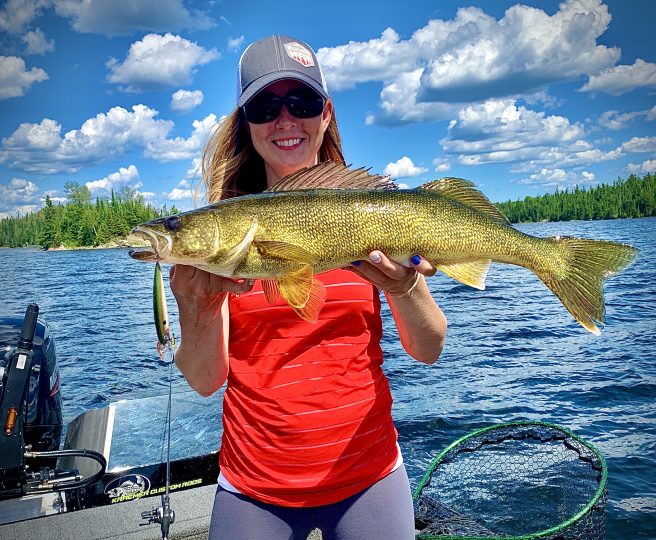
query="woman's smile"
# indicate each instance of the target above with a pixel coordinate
(288, 143)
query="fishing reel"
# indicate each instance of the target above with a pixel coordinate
(164, 515)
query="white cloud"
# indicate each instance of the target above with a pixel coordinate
(148, 195)
(235, 43)
(645, 167)
(159, 62)
(473, 57)
(403, 168)
(180, 194)
(578, 154)
(54, 195)
(20, 210)
(16, 15)
(41, 147)
(614, 120)
(184, 101)
(618, 80)
(37, 43)
(441, 165)
(398, 103)
(18, 190)
(115, 18)
(15, 80)
(640, 145)
(651, 114)
(500, 130)
(194, 170)
(115, 180)
(125, 17)
(18, 197)
(181, 148)
(377, 59)
(559, 179)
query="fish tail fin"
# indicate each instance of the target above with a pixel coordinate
(581, 267)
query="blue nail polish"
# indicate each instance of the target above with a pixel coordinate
(356, 263)
(415, 260)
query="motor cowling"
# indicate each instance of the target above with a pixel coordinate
(41, 405)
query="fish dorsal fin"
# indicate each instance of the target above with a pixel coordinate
(472, 273)
(465, 193)
(332, 175)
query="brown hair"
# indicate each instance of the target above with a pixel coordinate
(231, 166)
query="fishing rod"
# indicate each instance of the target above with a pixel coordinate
(164, 514)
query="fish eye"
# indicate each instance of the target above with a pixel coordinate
(172, 223)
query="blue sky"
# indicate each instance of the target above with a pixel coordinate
(521, 98)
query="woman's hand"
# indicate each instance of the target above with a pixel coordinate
(202, 356)
(197, 291)
(419, 320)
(390, 276)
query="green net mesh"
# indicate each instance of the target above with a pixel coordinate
(520, 480)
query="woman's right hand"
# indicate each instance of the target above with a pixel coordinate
(198, 292)
(202, 356)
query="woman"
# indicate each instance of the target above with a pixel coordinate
(308, 436)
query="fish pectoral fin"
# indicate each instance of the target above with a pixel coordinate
(271, 292)
(284, 250)
(237, 253)
(472, 273)
(305, 294)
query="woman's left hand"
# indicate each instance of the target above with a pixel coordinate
(390, 276)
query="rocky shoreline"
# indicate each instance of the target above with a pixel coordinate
(130, 241)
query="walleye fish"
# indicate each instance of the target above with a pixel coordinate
(327, 216)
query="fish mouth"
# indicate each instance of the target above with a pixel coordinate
(161, 245)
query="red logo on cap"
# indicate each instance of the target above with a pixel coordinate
(299, 53)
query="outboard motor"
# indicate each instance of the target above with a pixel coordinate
(31, 417)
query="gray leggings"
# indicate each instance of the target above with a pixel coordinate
(380, 512)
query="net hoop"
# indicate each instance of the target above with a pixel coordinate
(599, 493)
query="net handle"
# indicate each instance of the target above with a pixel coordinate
(567, 523)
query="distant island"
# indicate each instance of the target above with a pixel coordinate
(633, 197)
(83, 223)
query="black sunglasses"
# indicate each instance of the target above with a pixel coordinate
(266, 106)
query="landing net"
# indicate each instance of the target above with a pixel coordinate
(514, 481)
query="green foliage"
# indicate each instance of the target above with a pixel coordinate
(631, 198)
(79, 223)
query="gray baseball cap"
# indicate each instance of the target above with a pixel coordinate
(274, 58)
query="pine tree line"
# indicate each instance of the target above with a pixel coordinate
(80, 222)
(631, 198)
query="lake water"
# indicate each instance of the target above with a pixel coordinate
(513, 353)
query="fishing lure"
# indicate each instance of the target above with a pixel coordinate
(165, 339)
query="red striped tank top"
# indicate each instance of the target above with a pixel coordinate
(307, 409)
